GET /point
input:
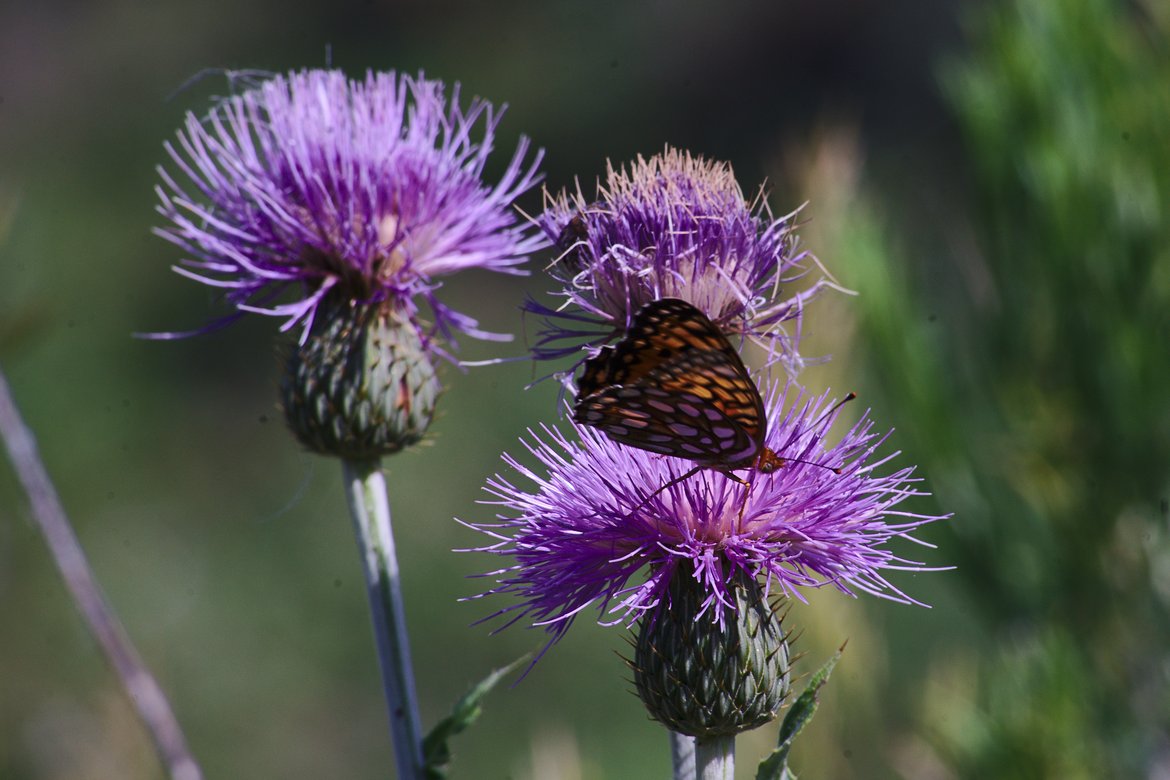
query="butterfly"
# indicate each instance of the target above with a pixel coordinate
(674, 385)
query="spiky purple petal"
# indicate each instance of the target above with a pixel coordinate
(312, 180)
(674, 226)
(581, 534)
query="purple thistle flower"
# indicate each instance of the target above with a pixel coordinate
(673, 226)
(312, 184)
(580, 537)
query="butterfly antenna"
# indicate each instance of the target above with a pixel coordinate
(849, 397)
(770, 461)
(834, 469)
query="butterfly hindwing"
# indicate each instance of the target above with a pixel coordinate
(673, 421)
(674, 385)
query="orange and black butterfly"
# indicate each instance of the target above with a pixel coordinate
(674, 385)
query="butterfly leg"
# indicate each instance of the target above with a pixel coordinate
(666, 486)
(747, 491)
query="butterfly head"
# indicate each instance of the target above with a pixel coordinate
(768, 461)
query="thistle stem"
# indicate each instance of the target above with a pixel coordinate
(370, 509)
(682, 756)
(715, 758)
(144, 691)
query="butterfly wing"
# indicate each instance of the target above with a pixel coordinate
(657, 333)
(597, 374)
(703, 421)
(674, 385)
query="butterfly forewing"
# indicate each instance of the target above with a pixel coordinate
(662, 331)
(674, 385)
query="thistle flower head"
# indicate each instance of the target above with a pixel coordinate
(672, 226)
(595, 530)
(312, 184)
(337, 205)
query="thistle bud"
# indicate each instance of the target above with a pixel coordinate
(704, 678)
(362, 385)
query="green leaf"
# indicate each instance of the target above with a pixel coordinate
(775, 765)
(436, 750)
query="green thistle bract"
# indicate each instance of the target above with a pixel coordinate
(362, 384)
(704, 677)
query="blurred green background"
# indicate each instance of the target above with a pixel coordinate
(992, 178)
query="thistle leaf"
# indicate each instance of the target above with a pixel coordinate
(436, 747)
(775, 765)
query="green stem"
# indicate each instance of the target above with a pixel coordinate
(370, 508)
(682, 756)
(715, 758)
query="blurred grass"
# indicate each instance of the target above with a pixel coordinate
(1011, 326)
(1027, 335)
